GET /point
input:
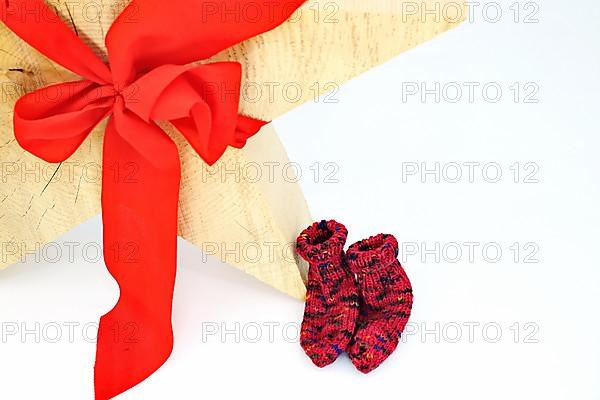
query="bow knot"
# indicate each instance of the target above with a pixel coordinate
(53, 121)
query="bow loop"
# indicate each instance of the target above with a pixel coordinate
(52, 122)
(201, 101)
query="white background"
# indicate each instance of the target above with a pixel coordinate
(371, 135)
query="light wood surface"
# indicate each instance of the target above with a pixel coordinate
(323, 45)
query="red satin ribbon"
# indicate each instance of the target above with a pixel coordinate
(150, 47)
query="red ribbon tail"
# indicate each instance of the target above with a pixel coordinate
(139, 211)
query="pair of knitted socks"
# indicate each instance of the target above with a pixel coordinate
(358, 302)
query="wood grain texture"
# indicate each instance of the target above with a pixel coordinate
(323, 45)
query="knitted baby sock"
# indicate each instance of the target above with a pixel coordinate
(386, 300)
(331, 308)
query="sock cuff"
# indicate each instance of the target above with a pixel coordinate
(322, 241)
(374, 253)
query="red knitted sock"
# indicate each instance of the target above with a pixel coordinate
(386, 300)
(331, 308)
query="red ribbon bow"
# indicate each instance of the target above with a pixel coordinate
(150, 46)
